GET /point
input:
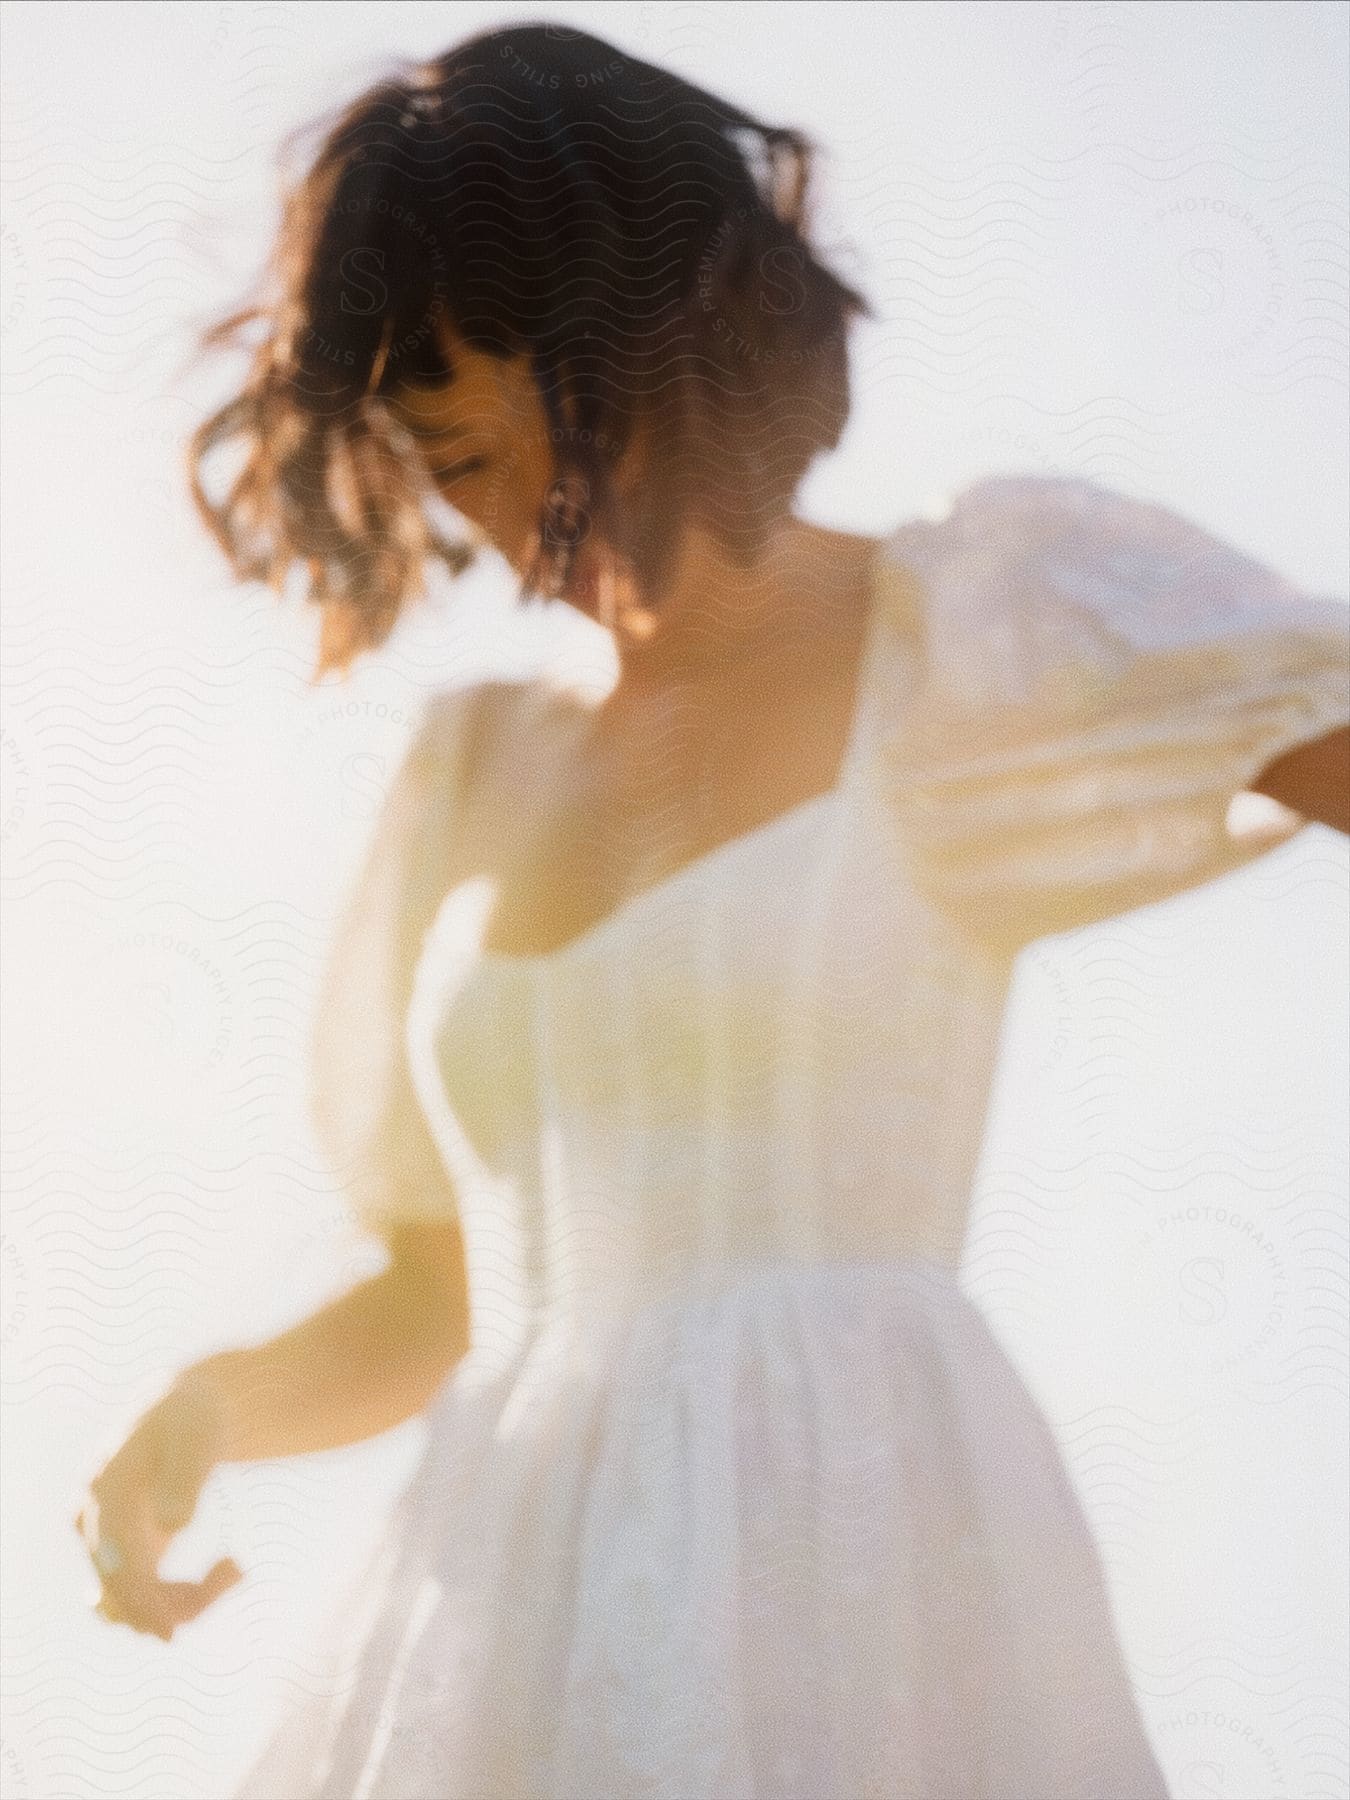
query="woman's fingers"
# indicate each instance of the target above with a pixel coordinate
(135, 1505)
(185, 1599)
(177, 1602)
(134, 1593)
(135, 1588)
(160, 1607)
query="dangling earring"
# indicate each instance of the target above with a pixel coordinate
(567, 518)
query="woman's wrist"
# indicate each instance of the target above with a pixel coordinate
(210, 1389)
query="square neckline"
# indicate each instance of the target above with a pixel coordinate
(698, 866)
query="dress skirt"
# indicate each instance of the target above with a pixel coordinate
(801, 1534)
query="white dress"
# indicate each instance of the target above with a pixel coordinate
(736, 1496)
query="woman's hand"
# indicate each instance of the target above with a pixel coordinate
(142, 1496)
(1313, 779)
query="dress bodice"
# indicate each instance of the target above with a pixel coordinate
(779, 1052)
(785, 1050)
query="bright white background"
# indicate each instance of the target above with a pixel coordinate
(1104, 238)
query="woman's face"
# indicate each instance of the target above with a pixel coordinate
(484, 441)
(487, 444)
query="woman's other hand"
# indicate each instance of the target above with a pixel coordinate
(1313, 779)
(143, 1495)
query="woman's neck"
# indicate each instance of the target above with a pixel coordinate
(811, 584)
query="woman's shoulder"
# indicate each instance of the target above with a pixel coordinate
(494, 739)
(459, 720)
(1059, 584)
(1005, 518)
(1106, 550)
(1100, 677)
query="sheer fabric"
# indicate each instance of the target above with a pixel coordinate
(1103, 677)
(363, 1105)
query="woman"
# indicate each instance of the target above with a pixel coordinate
(658, 1034)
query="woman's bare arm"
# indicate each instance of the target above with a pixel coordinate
(364, 1363)
(368, 1361)
(1313, 779)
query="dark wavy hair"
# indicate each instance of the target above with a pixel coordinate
(537, 191)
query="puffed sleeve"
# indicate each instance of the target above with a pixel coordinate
(364, 1107)
(1098, 678)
